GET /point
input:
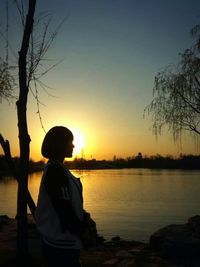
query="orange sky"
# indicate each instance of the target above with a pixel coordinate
(111, 52)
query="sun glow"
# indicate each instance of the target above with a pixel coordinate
(79, 142)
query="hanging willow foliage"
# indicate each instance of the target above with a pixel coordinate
(7, 82)
(176, 94)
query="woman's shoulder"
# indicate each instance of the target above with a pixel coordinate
(55, 170)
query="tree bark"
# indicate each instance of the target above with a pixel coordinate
(24, 139)
(6, 148)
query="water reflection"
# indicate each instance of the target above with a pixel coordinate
(132, 203)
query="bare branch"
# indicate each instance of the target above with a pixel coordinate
(38, 106)
(49, 69)
(20, 9)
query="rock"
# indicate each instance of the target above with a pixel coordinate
(126, 263)
(124, 254)
(159, 237)
(194, 225)
(155, 259)
(116, 239)
(111, 261)
(135, 250)
(4, 219)
(178, 241)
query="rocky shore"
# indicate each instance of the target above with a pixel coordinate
(171, 246)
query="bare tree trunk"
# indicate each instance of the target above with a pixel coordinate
(24, 139)
(6, 148)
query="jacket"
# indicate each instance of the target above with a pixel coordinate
(59, 212)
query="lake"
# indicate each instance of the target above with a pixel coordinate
(131, 203)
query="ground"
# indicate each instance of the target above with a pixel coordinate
(116, 252)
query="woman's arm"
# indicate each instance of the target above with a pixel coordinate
(55, 182)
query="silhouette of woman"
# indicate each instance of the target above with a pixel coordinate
(59, 213)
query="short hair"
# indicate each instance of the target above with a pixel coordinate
(54, 143)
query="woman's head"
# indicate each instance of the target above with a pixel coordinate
(58, 143)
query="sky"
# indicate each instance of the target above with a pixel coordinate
(109, 53)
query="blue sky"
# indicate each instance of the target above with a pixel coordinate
(111, 52)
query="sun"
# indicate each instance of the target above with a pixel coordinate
(79, 142)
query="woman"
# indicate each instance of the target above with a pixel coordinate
(60, 214)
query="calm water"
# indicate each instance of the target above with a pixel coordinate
(131, 203)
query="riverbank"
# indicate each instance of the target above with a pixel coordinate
(115, 252)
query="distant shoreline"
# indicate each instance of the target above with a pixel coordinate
(9, 173)
(184, 162)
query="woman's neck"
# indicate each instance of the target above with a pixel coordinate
(61, 160)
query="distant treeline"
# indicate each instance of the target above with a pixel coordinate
(139, 161)
(33, 166)
(151, 162)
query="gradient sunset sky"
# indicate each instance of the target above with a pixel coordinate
(111, 51)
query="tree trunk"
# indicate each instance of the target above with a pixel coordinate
(24, 139)
(6, 148)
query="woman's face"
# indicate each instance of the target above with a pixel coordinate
(69, 149)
